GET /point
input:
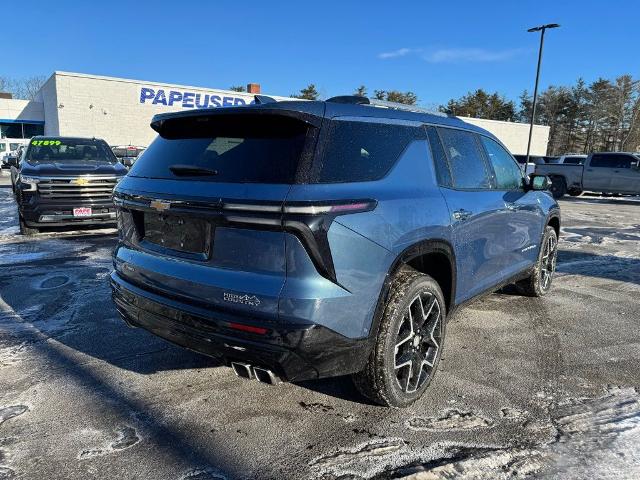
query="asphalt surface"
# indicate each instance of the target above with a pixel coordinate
(541, 387)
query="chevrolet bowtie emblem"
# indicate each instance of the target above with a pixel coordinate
(80, 181)
(160, 205)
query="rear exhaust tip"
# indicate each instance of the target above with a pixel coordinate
(265, 376)
(242, 370)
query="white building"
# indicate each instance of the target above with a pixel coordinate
(119, 110)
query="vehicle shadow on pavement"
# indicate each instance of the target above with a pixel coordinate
(168, 439)
(623, 269)
(338, 387)
(59, 286)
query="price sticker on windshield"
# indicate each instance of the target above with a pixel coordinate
(40, 143)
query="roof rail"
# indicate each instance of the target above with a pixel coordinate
(404, 106)
(351, 99)
(357, 100)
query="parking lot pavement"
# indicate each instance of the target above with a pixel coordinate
(544, 386)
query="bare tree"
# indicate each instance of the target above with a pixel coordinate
(22, 88)
(31, 86)
(5, 84)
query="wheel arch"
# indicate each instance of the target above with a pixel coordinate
(553, 220)
(435, 258)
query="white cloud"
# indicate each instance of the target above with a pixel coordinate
(459, 55)
(401, 52)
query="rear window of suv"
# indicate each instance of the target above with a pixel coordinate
(274, 149)
(361, 150)
(236, 149)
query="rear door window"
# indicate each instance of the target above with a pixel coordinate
(601, 161)
(507, 173)
(361, 150)
(623, 161)
(234, 149)
(468, 167)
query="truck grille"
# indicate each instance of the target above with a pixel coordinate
(99, 188)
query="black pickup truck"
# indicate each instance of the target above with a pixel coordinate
(64, 181)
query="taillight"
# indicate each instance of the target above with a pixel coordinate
(337, 207)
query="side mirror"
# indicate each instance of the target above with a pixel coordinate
(539, 182)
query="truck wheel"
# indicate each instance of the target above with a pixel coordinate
(24, 230)
(409, 342)
(558, 187)
(539, 283)
(574, 192)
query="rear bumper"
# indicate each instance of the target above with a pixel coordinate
(292, 351)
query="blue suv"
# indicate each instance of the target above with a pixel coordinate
(298, 240)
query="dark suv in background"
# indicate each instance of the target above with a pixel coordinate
(65, 181)
(299, 240)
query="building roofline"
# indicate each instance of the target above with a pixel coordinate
(508, 122)
(61, 73)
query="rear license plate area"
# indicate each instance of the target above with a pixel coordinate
(182, 234)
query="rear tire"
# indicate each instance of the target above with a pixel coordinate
(574, 192)
(24, 230)
(539, 282)
(409, 342)
(558, 187)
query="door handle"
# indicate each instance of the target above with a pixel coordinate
(461, 214)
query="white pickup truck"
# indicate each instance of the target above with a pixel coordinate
(606, 172)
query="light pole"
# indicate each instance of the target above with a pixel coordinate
(542, 29)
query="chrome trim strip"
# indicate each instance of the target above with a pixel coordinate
(56, 217)
(252, 208)
(61, 177)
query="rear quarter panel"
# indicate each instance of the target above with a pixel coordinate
(365, 245)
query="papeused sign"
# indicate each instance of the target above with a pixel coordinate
(190, 99)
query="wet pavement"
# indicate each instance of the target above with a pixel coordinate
(543, 387)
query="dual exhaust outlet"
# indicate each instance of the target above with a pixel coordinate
(244, 370)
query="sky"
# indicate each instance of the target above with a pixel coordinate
(439, 50)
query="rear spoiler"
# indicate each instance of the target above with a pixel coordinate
(308, 112)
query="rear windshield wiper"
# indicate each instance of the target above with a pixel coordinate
(191, 170)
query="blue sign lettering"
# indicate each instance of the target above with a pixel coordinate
(187, 99)
(160, 98)
(174, 97)
(146, 94)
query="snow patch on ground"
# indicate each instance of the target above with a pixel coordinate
(451, 420)
(126, 437)
(12, 411)
(597, 438)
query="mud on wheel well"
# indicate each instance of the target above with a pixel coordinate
(437, 266)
